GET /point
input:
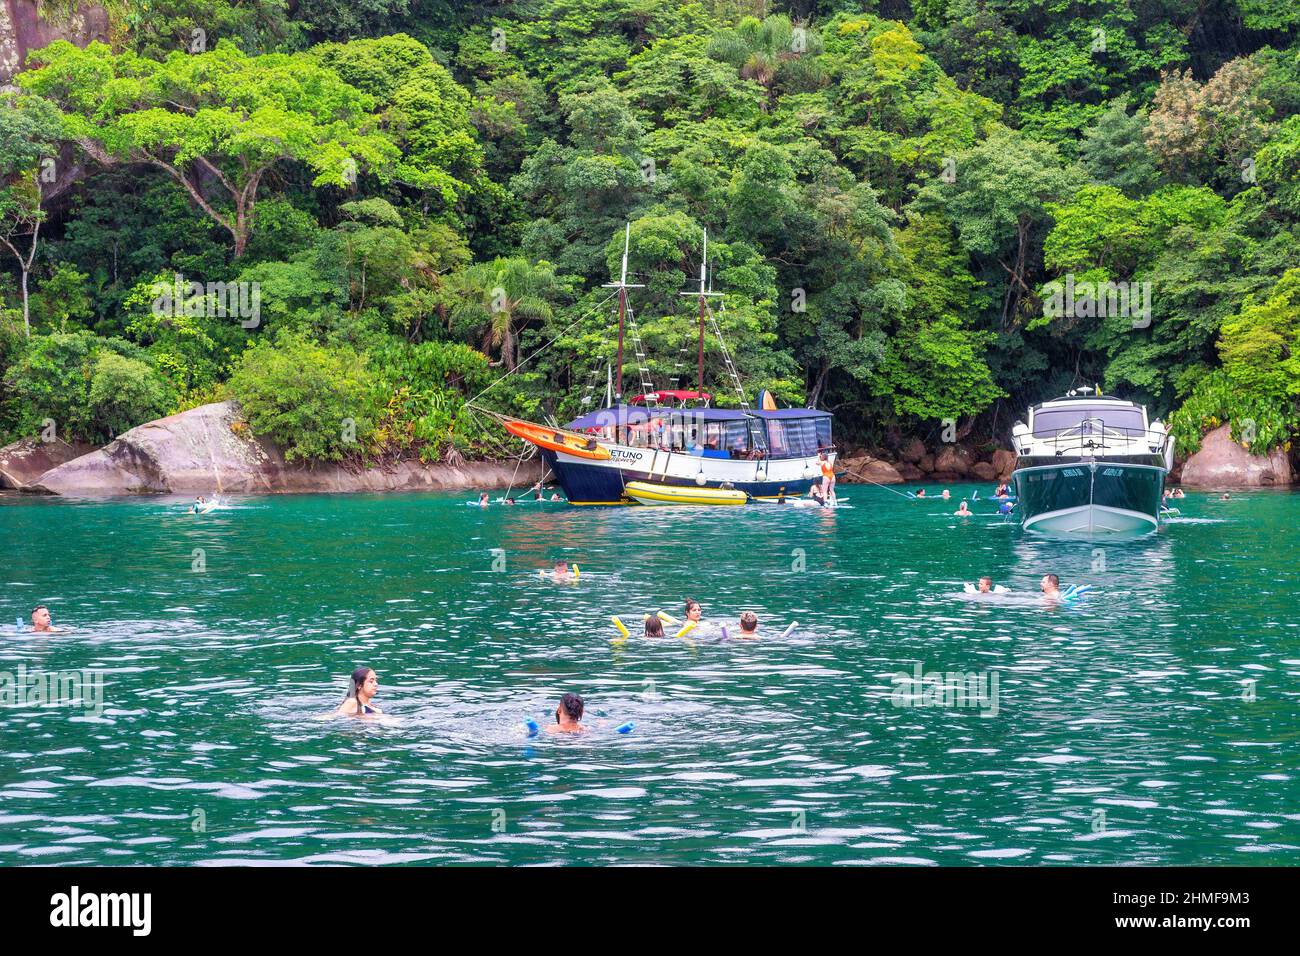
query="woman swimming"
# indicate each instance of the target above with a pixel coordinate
(362, 687)
(654, 626)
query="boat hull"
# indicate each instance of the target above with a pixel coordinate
(1091, 498)
(605, 483)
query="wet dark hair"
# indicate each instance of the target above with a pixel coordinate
(39, 607)
(572, 705)
(1056, 582)
(690, 603)
(749, 621)
(355, 683)
(653, 626)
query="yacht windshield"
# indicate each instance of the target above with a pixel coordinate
(1050, 422)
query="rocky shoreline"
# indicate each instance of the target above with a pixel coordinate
(209, 450)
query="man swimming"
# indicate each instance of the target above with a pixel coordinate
(985, 585)
(749, 624)
(568, 716)
(560, 573)
(1051, 587)
(482, 499)
(963, 511)
(41, 620)
(363, 685)
(946, 494)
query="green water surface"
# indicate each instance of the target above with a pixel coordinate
(1155, 722)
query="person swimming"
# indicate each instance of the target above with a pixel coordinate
(748, 624)
(560, 573)
(537, 491)
(41, 620)
(198, 505)
(1050, 585)
(568, 716)
(693, 611)
(1003, 490)
(362, 687)
(1005, 507)
(482, 499)
(555, 496)
(963, 511)
(510, 501)
(984, 585)
(946, 494)
(920, 492)
(654, 626)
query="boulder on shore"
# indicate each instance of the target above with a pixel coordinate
(983, 471)
(909, 471)
(209, 450)
(1222, 463)
(865, 468)
(23, 462)
(953, 459)
(926, 463)
(912, 452)
(1004, 463)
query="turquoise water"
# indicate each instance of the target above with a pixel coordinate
(1154, 722)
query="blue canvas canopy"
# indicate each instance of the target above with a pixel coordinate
(639, 415)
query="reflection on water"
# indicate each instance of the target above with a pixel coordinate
(1153, 721)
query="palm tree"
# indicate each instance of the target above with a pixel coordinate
(498, 298)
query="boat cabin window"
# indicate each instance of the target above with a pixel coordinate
(794, 437)
(1050, 422)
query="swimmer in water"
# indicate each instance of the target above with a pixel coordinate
(568, 716)
(946, 495)
(985, 585)
(198, 505)
(556, 497)
(963, 511)
(1003, 490)
(362, 687)
(510, 501)
(560, 574)
(1051, 587)
(482, 499)
(654, 627)
(693, 610)
(920, 493)
(748, 624)
(537, 491)
(1177, 493)
(41, 620)
(1225, 497)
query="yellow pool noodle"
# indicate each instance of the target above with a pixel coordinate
(667, 618)
(576, 573)
(690, 626)
(622, 629)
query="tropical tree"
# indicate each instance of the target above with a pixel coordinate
(499, 297)
(29, 135)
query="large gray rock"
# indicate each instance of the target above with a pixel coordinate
(26, 25)
(209, 450)
(866, 468)
(953, 460)
(912, 452)
(1004, 463)
(1222, 463)
(23, 462)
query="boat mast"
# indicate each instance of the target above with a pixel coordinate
(622, 286)
(702, 294)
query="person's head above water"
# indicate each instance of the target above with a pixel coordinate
(561, 567)
(41, 618)
(569, 712)
(362, 686)
(1050, 584)
(654, 627)
(749, 623)
(693, 609)
(985, 585)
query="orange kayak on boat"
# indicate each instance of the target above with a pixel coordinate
(553, 439)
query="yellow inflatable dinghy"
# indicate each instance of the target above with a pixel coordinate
(655, 494)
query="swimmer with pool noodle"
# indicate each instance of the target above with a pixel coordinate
(568, 719)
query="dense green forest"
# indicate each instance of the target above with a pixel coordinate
(422, 193)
